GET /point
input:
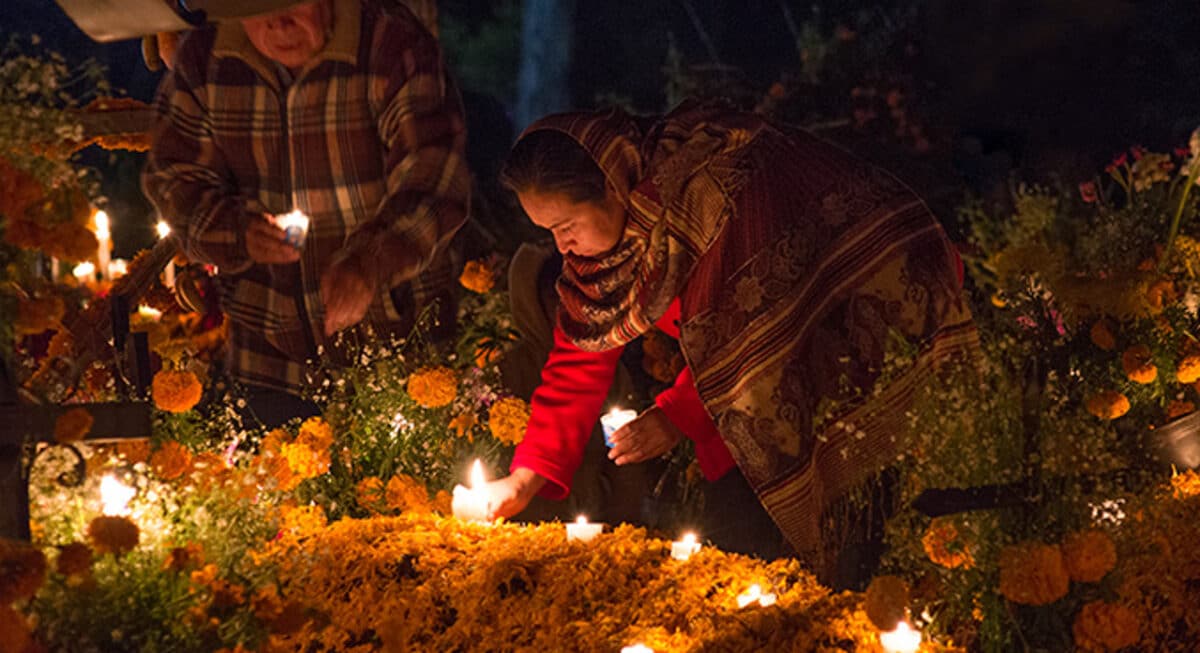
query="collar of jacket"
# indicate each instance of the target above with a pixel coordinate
(232, 41)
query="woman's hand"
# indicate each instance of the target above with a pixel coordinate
(649, 436)
(509, 495)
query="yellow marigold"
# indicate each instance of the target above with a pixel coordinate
(278, 470)
(432, 387)
(304, 460)
(508, 418)
(1108, 404)
(477, 277)
(1158, 294)
(175, 391)
(22, 571)
(443, 502)
(298, 520)
(273, 441)
(487, 353)
(1103, 627)
(227, 594)
(74, 559)
(316, 433)
(1189, 369)
(204, 576)
(171, 460)
(14, 627)
(1138, 363)
(1186, 484)
(369, 492)
(1088, 555)
(944, 547)
(463, 423)
(886, 601)
(404, 493)
(72, 425)
(1179, 408)
(1032, 573)
(111, 534)
(265, 603)
(1102, 336)
(39, 314)
(182, 558)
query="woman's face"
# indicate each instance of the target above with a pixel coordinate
(291, 36)
(579, 228)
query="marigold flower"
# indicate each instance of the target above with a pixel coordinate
(433, 387)
(477, 277)
(1186, 484)
(22, 571)
(1179, 408)
(273, 441)
(1032, 573)
(278, 469)
(171, 460)
(301, 519)
(404, 493)
(305, 461)
(463, 423)
(1160, 293)
(1103, 627)
(74, 559)
(113, 534)
(265, 603)
(443, 502)
(73, 425)
(1189, 369)
(227, 594)
(369, 492)
(1088, 555)
(134, 451)
(176, 391)
(1102, 336)
(36, 315)
(204, 576)
(508, 419)
(886, 601)
(182, 558)
(944, 547)
(316, 433)
(1108, 404)
(487, 353)
(1138, 363)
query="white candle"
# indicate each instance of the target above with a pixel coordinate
(583, 530)
(115, 496)
(685, 546)
(295, 227)
(85, 272)
(471, 503)
(104, 236)
(901, 640)
(168, 275)
(615, 419)
(148, 313)
(117, 268)
(637, 648)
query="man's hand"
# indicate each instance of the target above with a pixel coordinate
(649, 436)
(347, 289)
(509, 495)
(265, 243)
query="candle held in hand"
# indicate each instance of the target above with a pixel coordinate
(613, 420)
(471, 503)
(295, 227)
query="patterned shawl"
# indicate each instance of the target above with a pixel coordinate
(796, 265)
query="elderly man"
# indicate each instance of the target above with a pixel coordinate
(342, 111)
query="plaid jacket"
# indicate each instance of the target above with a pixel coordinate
(368, 140)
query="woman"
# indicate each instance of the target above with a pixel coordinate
(784, 265)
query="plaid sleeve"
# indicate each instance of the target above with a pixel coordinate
(186, 176)
(421, 123)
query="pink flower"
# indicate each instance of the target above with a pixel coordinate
(1087, 190)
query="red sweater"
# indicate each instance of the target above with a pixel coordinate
(565, 407)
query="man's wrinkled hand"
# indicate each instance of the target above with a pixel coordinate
(265, 243)
(649, 436)
(347, 290)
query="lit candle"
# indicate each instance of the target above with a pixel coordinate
(104, 236)
(85, 272)
(615, 419)
(755, 595)
(168, 276)
(471, 503)
(583, 530)
(637, 648)
(115, 496)
(295, 227)
(117, 268)
(685, 546)
(148, 313)
(901, 640)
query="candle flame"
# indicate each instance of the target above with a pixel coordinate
(292, 219)
(749, 596)
(85, 271)
(688, 538)
(115, 496)
(477, 480)
(901, 640)
(118, 268)
(637, 648)
(163, 229)
(102, 226)
(148, 312)
(581, 520)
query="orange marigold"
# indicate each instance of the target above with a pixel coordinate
(369, 492)
(944, 547)
(477, 277)
(175, 391)
(1189, 369)
(22, 570)
(1088, 555)
(74, 559)
(305, 461)
(73, 425)
(182, 558)
(1032, 573)
(463, 423)
(1108, 404)
(886, 601)
(112, 534)
(443, 502)
(298, 520)
(1186, 484)
(404, 493)
(1103, 627)
(316, 433)
(432, 387)
(1138, 363)
(171, 460)
(487, 353)
(508, 418)
(273, 441)
(1102, 336)
(266, 604)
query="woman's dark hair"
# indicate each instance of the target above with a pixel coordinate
(549, 161)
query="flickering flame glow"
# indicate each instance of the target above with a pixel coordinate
(148, 313)
(163, 229)
(637, 648)
(102, 226)
(115, 496)
(477, 480)
(901, 640)
(85, 271)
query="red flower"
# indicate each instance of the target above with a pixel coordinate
(1138, 152)
(1087, 190)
